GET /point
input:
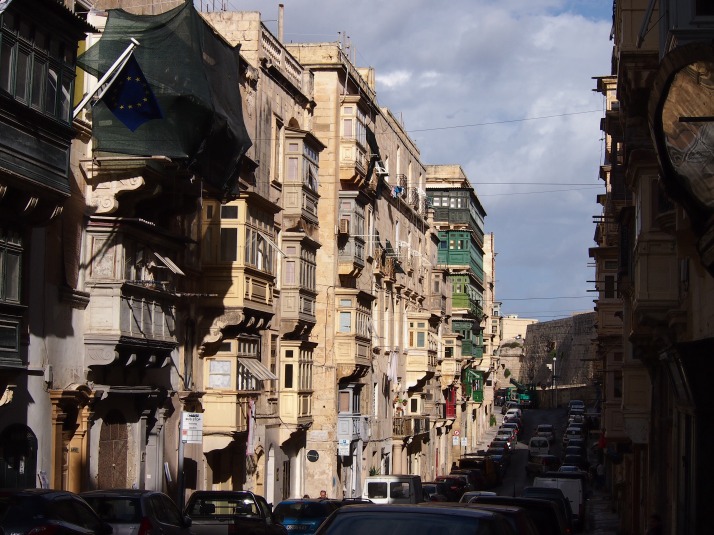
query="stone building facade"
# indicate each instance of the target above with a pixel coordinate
(301, 314)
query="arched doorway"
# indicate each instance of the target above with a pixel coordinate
(113, 442)
(18, 457)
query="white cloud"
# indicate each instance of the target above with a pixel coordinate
(493, 64)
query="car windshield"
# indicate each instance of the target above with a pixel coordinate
(303, 510)
(116, 510)
(222, 505)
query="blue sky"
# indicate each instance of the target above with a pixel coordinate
(503, 88)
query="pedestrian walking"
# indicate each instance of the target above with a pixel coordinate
(600, 476)
(323, 494)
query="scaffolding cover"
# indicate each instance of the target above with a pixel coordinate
(194, 74)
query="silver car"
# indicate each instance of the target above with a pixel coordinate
(138, 512)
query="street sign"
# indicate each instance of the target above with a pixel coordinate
(192, 428)
(454, 441)
(313, 456)
(457, 432)
(464, 441)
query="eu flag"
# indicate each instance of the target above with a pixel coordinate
(130, 98)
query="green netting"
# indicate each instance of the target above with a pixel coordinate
(194, 75)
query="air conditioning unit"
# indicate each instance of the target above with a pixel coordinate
(344, 227)
(379, 169)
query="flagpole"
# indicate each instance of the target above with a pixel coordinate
(113, 70)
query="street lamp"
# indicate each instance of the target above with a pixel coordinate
(555, 392)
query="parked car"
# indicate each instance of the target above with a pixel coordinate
(545, 431)
(546, 515)
(48, 512)
(435, 491)
(520, 519)
(554, 494)
(476, 477)
(576, 403)
(507, 434)
(510, 405)
(138, 512)
(513, 425)
(457, 486)
(470, 495)
(538, 446)
(224, 512)
(572, 432)
(574, 450)
(500, 456)
(490, 467)
(393, 488)
(502, 442)
(540, 464)
(304, 515)
(425, 518)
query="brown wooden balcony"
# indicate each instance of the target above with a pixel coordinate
(226, 412)
(409, 426)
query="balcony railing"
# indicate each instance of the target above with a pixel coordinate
(409, 426)
(352, 427)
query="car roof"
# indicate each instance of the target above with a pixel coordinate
(426, 508)
(118, 492)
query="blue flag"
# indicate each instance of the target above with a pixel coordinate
(130, 97)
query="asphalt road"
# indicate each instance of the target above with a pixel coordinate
(515, 479)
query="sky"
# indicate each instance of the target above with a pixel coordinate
(503, 88)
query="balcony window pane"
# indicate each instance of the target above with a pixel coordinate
(288, 376)
(345, 322)
(290, 272)
(51, 91)
(11, 282)
(229, 244)
(344, 401)
(22, 75)
(347, 128)
(219, 374)
(228, 212)
(421, 337)
(292, 169)
(5, 66)
(38, 86)
(65, 98)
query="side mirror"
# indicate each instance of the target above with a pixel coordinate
(105, 529)
(187, 521)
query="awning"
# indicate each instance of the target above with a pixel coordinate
(257, 369)
(216, 442)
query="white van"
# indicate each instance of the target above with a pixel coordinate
(538, 446)
(572, 489)
(393, 489)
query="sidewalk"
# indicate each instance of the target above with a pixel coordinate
(601, 518)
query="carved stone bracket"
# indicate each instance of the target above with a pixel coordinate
(215, 332)
(103, 196)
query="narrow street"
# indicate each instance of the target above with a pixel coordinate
(601, 519)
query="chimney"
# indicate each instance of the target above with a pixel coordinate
(281, 8)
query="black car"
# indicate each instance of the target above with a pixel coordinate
(133, 511)
(554, 494)
(435, 491)
(431, 517)
(43, 511)
(546, 515)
